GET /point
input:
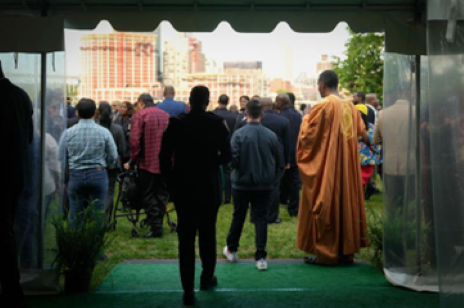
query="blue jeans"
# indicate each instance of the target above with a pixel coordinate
(86, 186)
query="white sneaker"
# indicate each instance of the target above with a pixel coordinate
(261, 264)
(231, 256)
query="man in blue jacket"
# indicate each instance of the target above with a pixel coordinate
(281, 127)
(290, 184)
(255, 166)
(171, 106)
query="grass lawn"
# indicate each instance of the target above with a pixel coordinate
(281, 241)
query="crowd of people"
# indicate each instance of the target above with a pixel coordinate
(267, 151)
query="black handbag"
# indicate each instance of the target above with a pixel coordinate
(130, 193)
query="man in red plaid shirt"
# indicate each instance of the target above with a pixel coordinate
(148, 126)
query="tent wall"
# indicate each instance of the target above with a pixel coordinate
(39, 202)
(409, 246)
(446, 85)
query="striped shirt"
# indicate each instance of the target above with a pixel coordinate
(87, 145)
(148, 126)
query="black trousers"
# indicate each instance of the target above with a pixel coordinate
(259, 201)
(228, 184)
(109, 202)
(193, 217)
(380, 170)
(290, 190)
(9, 273)
(274, 201)
(154, 197)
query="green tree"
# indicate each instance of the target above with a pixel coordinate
(362, 70)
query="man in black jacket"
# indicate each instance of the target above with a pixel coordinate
(17, 128)
(255, 166)
(194, 146)
(290, 184)
(227, 115)
(230, 118)
(281, 127)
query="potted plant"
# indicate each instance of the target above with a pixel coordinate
(79, 247)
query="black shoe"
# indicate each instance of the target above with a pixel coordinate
(206, 286)
(13, 302)
(294, 215)
(227, 202)
(189, 298)
(153, 234)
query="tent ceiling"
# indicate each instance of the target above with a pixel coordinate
(400, 19)
(280, 5)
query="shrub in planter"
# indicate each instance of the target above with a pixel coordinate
(375, 235)
(79, 246)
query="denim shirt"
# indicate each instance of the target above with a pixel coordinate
(88, 145)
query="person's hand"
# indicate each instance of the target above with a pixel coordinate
(126, 166)
(287, 166)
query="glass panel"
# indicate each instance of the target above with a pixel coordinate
(409, 254)
(446, 84)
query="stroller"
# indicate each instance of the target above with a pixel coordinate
(129, 197)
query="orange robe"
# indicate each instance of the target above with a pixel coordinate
(332, 217)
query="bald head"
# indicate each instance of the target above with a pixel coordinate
(169, 92)
(282, 101)
(267, 103)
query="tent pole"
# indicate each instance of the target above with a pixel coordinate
(418, 165)
(43, 131)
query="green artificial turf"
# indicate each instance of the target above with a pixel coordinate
(281, 241)
(241, 285)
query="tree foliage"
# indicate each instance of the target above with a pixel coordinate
(362, 70)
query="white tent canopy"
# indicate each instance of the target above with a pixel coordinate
(23, 29)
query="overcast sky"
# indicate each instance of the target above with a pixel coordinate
(283, 52)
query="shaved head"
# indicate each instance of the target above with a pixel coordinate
(169, 91)
(267, 103)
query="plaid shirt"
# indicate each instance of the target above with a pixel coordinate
(87, 145)
(149, 124)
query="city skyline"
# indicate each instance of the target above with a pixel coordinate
(276, 50)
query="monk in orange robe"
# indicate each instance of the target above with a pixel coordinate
(332, 217)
